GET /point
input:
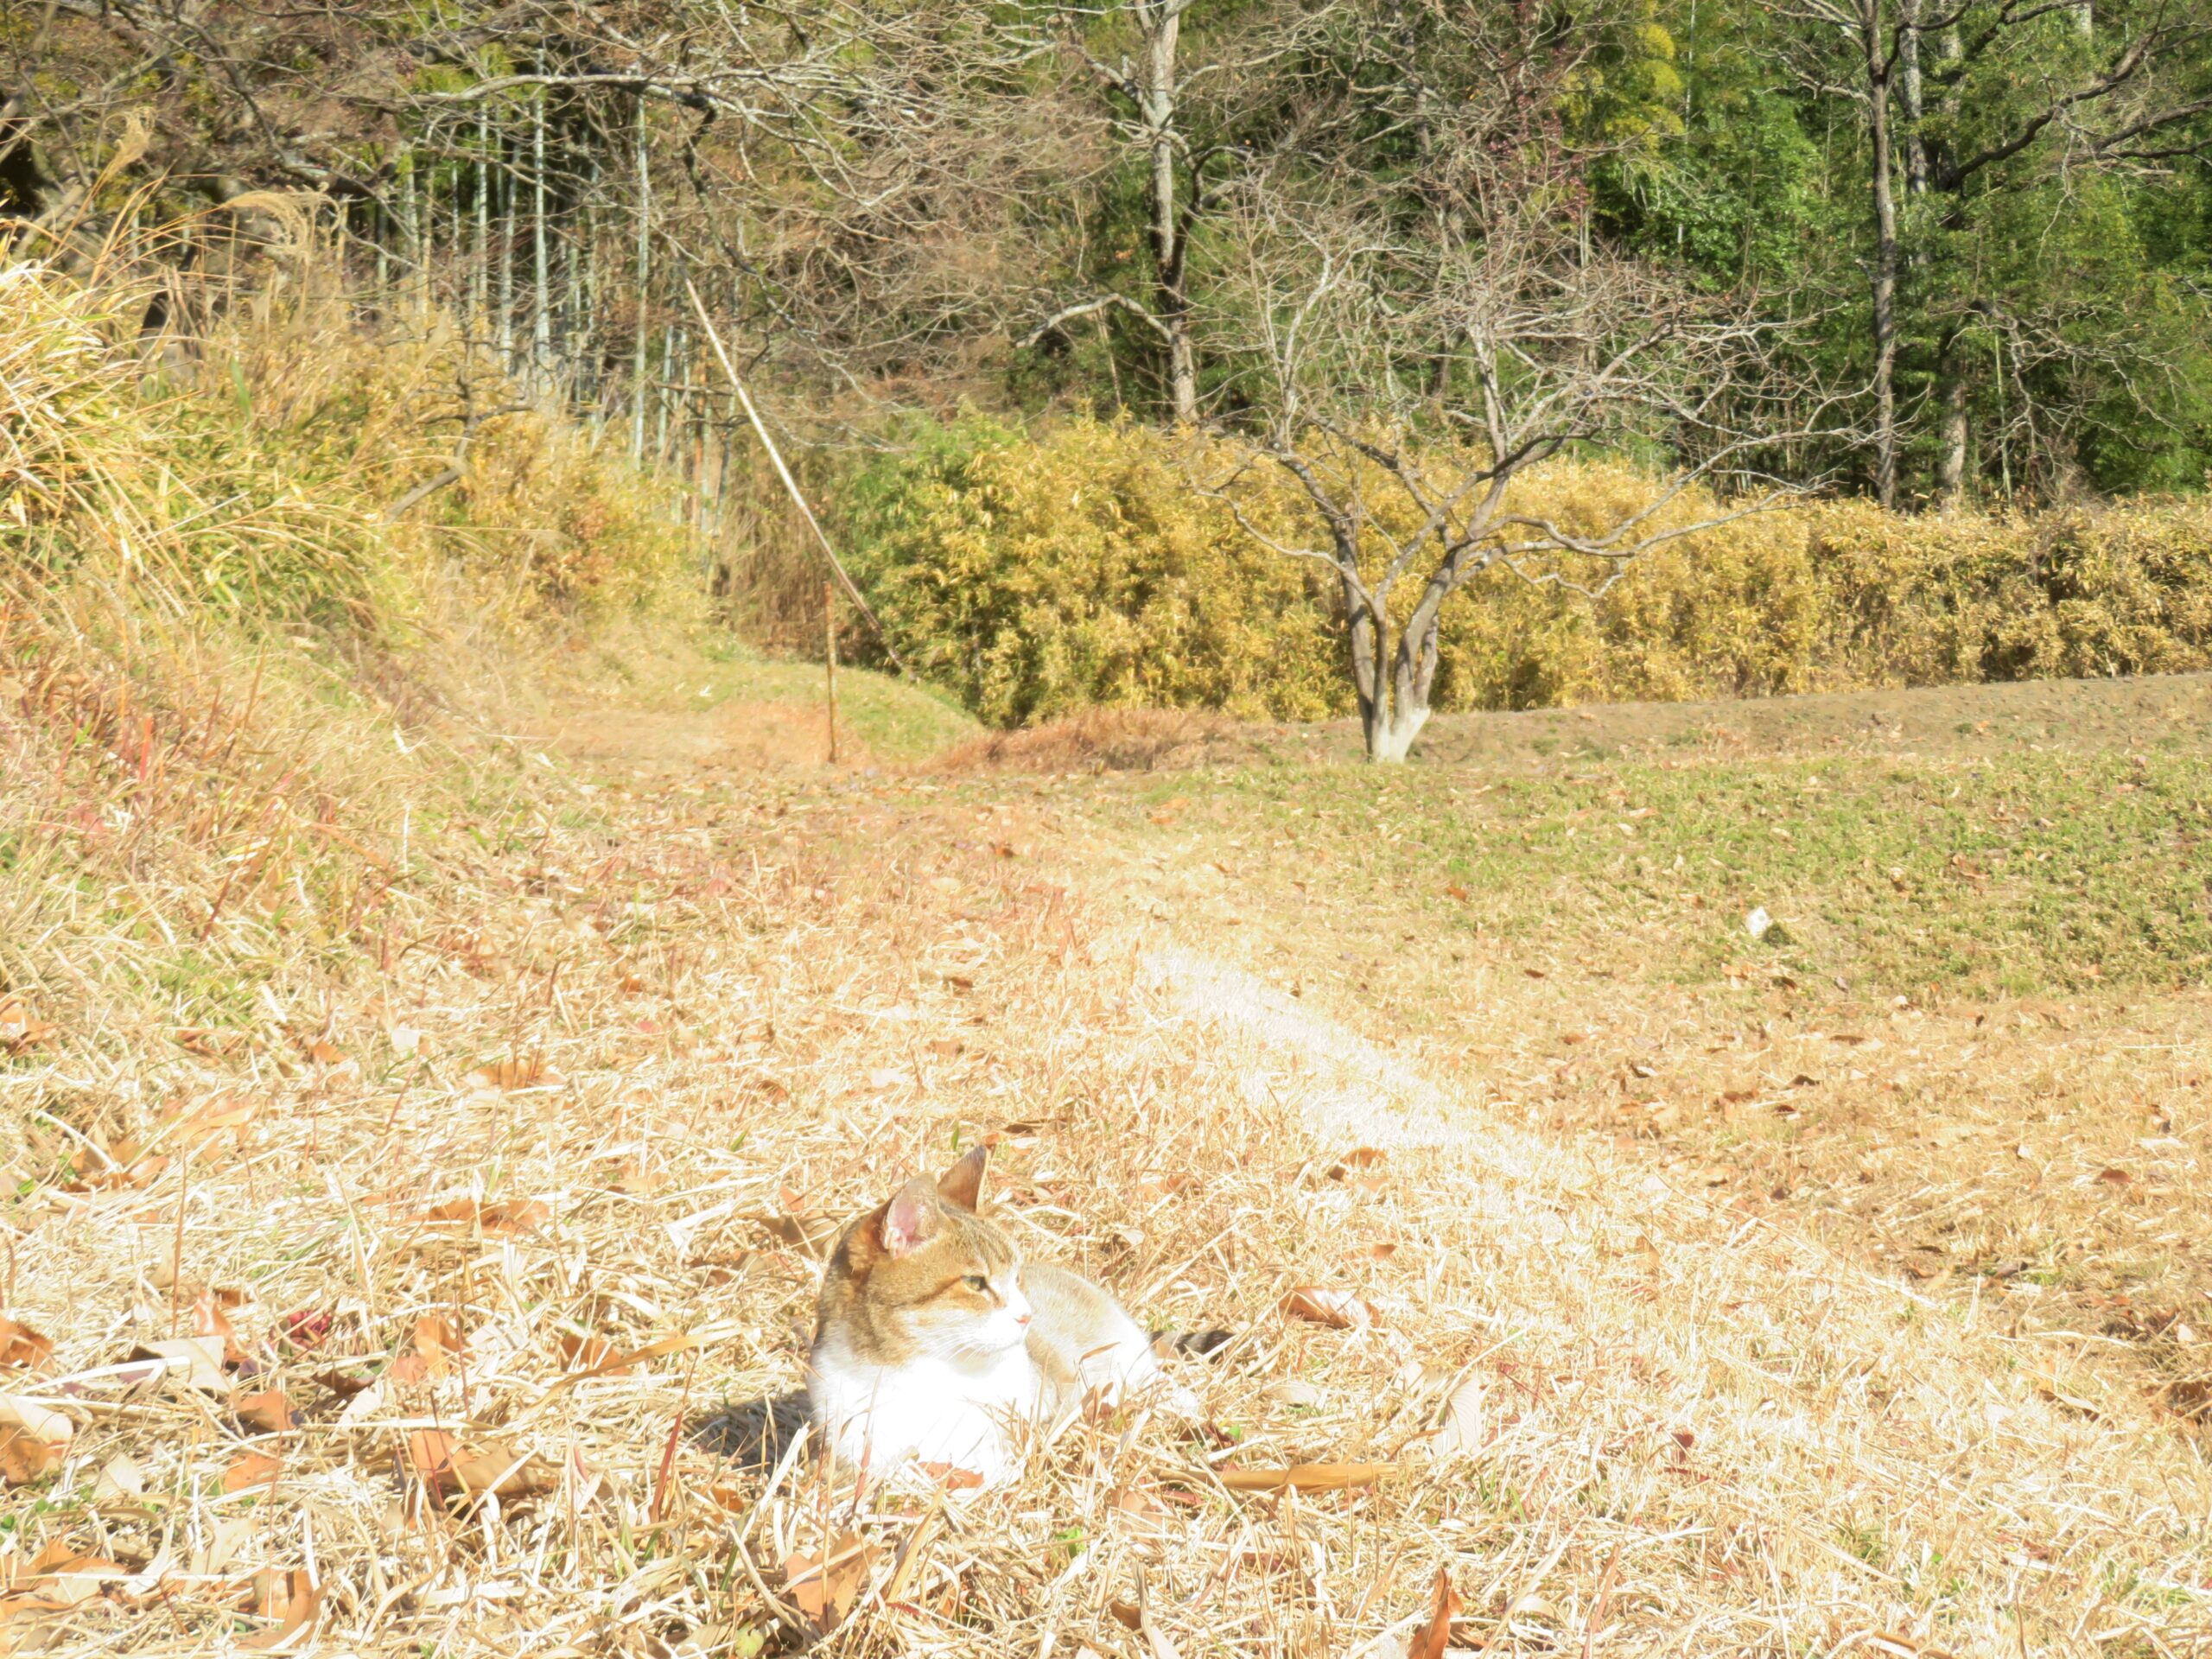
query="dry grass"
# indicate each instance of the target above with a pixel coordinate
(1687, 1427)
(1096, 740)
(491, 1119)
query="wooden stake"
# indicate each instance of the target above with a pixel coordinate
(830, 659)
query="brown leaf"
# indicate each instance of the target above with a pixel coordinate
(1431, 1640)
(587, 1353)
(825, 1589)
(62, 1574)
(437, 1342)
(292, 1599)
(197, 1361)
(22, 1346)
(502, 1075)
(343, 1386)
(441, 1461)
(503, 1216)
(209, 1321)
(631, 984)
(1452, 889)
(1338, 1309)
(1304, 1477)
(251, 1470)
(2114, 1177)
(270, 1411)
(951, 1477)
(23, 1456)
(20, 1029)
(323, 1051)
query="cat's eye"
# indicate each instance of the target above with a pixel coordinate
(976, 1282)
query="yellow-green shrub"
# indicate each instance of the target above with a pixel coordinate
(1038, 578)
(1037, 575)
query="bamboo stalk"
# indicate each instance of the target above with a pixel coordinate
(790, 484)
(542, 320)
(829, 658)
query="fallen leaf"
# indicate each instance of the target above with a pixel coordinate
(1431, 1639)
(2114, 1177)
(323, 1051)
(251, 1470)
(1453, 890)
(343, 1386)
(1338, 1309)
(292, 1599)
(728, 1499)
(69, 1577)
(441, 1461)
(951, 1477)
(825, 1588)
(210, 1320)
(587, 1353)
(197, 1362)
(270, 1411)
(509, 1075)
(503, 1216)
(23, 1456)
(1459, 1430)
(22, 1347)
(436, 1343)
(20, 1029)
(120, 1481)
(1304, 1477)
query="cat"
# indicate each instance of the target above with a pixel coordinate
(937, 1344)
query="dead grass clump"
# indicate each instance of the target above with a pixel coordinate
(1096, 740)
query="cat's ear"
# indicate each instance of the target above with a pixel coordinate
(909, 1217)
(963, 1183)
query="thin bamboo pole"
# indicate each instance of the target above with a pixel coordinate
(790, 484)
(829, 658)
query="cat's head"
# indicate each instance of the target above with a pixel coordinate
(924, 1274)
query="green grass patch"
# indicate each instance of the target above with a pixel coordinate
(897, 720)
(2018, 874)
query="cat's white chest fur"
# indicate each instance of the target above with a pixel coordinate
(963, 1412)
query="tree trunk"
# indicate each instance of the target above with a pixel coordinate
(541, 354)
(644, 270)
(1909, 93)
(1885, 257)
(1161, 22)
(1951, 398)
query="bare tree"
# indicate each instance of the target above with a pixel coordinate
(1527, 351)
